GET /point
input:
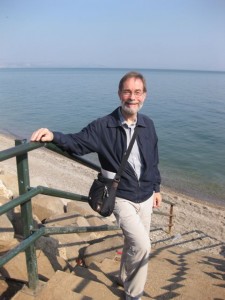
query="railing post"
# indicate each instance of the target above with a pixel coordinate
(26, 216)
(171, 217)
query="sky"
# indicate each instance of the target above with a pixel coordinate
(153, 34)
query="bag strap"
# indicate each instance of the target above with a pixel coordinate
(126, 156)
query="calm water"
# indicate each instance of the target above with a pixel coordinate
(188, 109)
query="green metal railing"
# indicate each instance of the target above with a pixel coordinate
(26, 193)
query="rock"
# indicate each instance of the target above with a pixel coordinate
(69, 219)
(3, 200)
(3, 287)
(95, 220)
(4, 191)
(6, 228)
(82, 222)
(72, 207)
(6, 245)
(69, 246)
(46, 262)
(105, 249)
(18, 224)
(48, 244)
(10, 181)
(9, 213)
(64, 219)
(85, 210)
(45, 206)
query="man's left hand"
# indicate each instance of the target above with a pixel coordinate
(157, 200)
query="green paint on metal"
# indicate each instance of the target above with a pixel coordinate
(76, 229)
(63, 194)
(20, 200)
(22, 246)
(19, 150)
(26, 216)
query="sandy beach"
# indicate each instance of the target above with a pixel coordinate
(198, 225)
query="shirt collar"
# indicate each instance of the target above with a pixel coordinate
(123, 121)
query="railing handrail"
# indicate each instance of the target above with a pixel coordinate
(20, 151)
(27, 147)
(24, 199)
(24, 148)
(40, 190)
(45, 231)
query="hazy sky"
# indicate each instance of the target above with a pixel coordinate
(168, 34)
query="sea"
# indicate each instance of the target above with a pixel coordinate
(187, 107)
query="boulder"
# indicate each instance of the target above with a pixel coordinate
(106, 249)
(9, 213)
(63, 219)
(46, 262)
(3, 287)
(48, 244)
(10, 180)
(18, 224)
(45, 206)
(6, 228)
(69, 219)
(95, 220)
(4, 191)
(73, 206)
(69, 246)
(6, 245)
(85, 210)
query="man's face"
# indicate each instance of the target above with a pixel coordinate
(132, 96)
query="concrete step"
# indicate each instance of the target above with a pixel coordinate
(25, 294)
(107, 266)
(174, 273)
(63, 285)
(94, 275)
(104, 278)
(184, 274)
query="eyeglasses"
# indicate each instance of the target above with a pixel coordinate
(129, 93)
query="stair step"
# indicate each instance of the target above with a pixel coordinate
(107, 266)
(69, 295)
(63, 285)
(94, 275)
(174, 272)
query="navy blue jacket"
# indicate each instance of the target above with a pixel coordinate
(107, 138)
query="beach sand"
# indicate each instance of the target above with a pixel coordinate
(197, 225)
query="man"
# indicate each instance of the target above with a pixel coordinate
(139, 188)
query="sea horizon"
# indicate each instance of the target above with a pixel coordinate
(109, 68)
(187, 107)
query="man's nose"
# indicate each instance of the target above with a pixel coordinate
(132, 96)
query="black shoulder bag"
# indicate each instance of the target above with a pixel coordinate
(102, 193)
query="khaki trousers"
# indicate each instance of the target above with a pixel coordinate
(134, 220)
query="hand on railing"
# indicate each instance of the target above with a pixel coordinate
(42, 135)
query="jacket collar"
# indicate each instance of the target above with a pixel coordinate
(114, 119)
